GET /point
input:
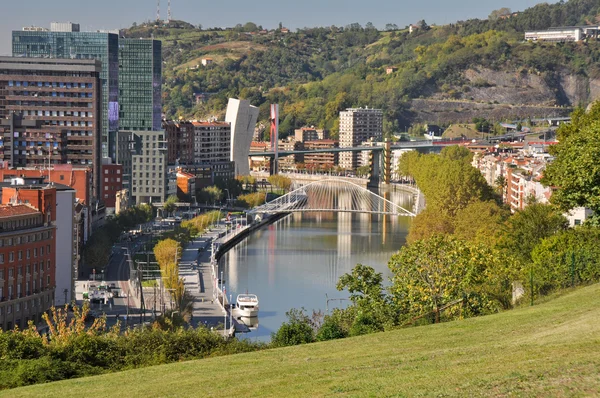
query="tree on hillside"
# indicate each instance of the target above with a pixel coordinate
(480, 222)
(568, 258)
(502, 12)
(428, 223)
(363, 283)
(446, 274)
(526, 228)
(574, 172)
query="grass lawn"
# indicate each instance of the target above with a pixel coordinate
(552, 349)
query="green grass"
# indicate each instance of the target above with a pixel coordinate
(552, 349)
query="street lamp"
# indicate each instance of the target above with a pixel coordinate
(228, 196)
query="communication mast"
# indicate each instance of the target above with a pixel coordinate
(169, 12)
(158, 10)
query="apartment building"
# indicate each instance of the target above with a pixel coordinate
(324, 160)
(27, 256)
(309, 134)
(356, 126)
(112, 182)
(143, 157)
(289, 162)
(50, 113)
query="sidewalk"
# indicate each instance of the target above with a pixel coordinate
(198, 280)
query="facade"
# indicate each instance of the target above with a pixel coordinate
(112, 182)
(180, 142)
(356, 126)
(140, 74)
(309, 134)
(27, 256)
(131, 72)
(320, 161)
(289, 162)
(121, 201)
(74, 45)
(50, 113)
(186, 186)
(242, 118)
(143, 157)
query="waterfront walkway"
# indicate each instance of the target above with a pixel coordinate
(198, 280)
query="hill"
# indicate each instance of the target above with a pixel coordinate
(549, 349)
(439, 74)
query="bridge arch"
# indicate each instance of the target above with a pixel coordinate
(332, 195)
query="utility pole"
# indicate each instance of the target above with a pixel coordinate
(157, 10)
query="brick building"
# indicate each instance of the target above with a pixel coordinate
(111, 183)
(321, 160)
(27, 255)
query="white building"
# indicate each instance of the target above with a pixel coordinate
(578, 216)
(242, 117)
(356, 126)
(64, 27)
(66, 245)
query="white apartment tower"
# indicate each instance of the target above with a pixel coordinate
(356, 126)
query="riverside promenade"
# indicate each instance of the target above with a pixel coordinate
(197, 269)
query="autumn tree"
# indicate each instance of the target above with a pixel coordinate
(446, 274)
(169, 205)
(526, 228)
(167, 253)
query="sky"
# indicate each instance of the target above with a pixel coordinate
(112, 14)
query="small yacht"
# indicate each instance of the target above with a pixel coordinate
(246, 305)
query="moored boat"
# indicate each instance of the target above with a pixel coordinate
(246, 305)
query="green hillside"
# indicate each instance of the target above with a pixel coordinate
(444, 74)
(551, 349)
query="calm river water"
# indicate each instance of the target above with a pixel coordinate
(298, 260)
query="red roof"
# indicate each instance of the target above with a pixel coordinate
(17, 210)
(209, 124)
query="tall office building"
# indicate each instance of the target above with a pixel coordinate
(356, 126)
(131, 73)
(79, 45)
(140, 74)
(49, 113)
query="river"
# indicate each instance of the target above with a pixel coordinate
(297, 261)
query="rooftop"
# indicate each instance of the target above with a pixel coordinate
(7, 211)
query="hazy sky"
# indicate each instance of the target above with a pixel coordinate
(110, 14)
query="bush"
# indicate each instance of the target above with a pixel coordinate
(330, 330)
(297, 330)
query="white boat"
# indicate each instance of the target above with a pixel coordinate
(246, 305)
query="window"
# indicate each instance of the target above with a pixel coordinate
(1, 258)
(48, 264)
(20, 256)
(35, 252)
(11, 257)
(42, 251)
(48, 249)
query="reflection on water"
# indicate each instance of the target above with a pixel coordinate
(294, 262)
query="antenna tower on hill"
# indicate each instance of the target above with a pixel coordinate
(169, 12)
(157, 10)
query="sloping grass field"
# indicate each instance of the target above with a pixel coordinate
(551, 349)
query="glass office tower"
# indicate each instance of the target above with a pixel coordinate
(80, 45)
(140, 74)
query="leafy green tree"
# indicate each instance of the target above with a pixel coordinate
(567, 258)
(447, 274)
(170, 204)
(364, 284)
(574, 171)
(526, 229)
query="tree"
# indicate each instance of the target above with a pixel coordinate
(574, 171)
(363, 171)
(428, 223)
(438, 274)
(502, 12)
(391, 26)
(566, 259)
(282, 182)
(364, 284)
(526, 229)
(211, 194)
(170, 204)
(480, 222)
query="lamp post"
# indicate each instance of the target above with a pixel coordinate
(228, 196)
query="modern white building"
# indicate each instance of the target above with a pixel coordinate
(242, 116)
(564, 33)
(356, 126)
